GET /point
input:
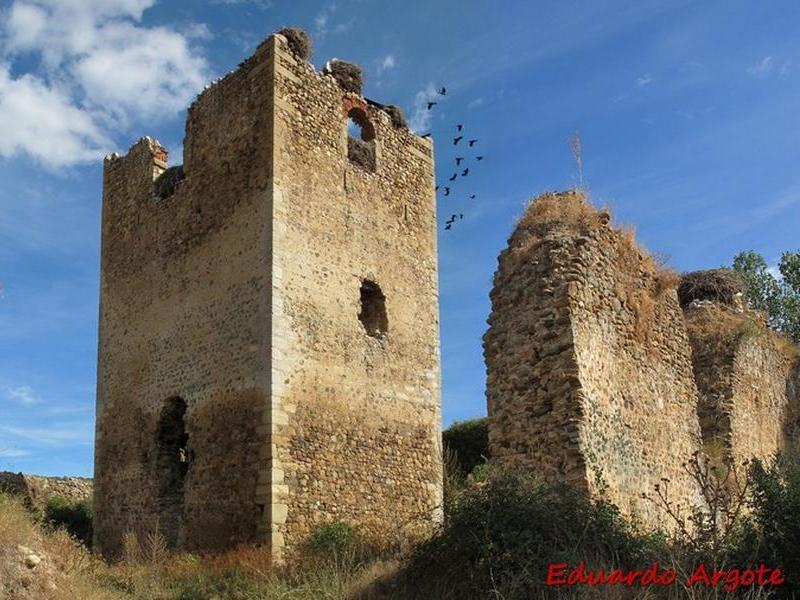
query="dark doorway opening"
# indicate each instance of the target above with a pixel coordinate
(172, 464)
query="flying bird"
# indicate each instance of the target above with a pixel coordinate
(472, 142)
(460, 216)
(458, 160)
(457, 139)
(432, 104)
(460, 126)
(448, 226)
(426, 135)
(465, 172)
(437, 189)
(453, 177)
(447, 191)
(472, 197)
(443, 91)
(478, 158)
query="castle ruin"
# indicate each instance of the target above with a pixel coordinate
(269, 337)
(589, 367)
(597, 377)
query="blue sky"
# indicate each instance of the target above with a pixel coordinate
(688, 113)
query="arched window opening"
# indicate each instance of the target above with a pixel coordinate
(373, 310)
(360, 139)
(172, 464)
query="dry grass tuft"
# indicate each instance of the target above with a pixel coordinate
(719, 321)
(252, 560)
(666, 279)
(15, 524)
(569, 208)
(644, 308)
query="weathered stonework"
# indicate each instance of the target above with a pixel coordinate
(589, 367)
(269, 341)
(747, 378)
(36, 490)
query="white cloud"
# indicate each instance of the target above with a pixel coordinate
(644, 80)
(13, 452)
(42, 122)
(22, 394)
(263, 4)
(763, 68)
(786, 66)
(56, 435)
(321, 20)
(472, 104)
(197, 31)
(100, 69)
(143, 71)
(420, 120)
(344, 26)
(323, 24)
(386, 63)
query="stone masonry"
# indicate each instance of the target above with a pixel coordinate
(269, 339)
(589, 367)
(747, 377)
(36, 490)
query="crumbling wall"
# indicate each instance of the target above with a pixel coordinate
(589, 369)
(35, 490)
(745, 373)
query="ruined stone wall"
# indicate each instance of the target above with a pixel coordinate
(35, 490)
(589, 367)
(238, 307)
(746, 376)
(185, 288)
(356, 417)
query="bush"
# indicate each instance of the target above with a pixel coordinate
(501, 535)
(469, 443)
(332, 538)
(771, 533)
(75, 517)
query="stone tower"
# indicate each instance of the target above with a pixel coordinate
(269, 339)
(589, 366)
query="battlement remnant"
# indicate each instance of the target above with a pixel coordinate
(269, 337)
(589, 367)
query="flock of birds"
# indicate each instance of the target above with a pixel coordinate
(470, 143)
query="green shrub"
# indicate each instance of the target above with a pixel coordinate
(75, 517)
(332, 538)
(468, 441)
(502, 534)
(771, 533)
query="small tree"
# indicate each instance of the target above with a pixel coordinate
(778, 297)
